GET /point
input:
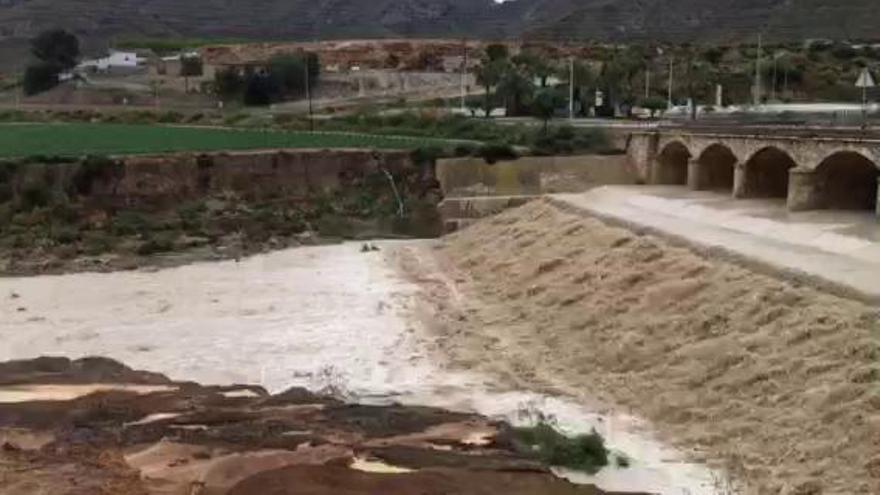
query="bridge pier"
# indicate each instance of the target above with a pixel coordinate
(804, 190)
(739, 180)
(877, 209)
(695, 175)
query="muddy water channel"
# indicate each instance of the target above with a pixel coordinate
(330, 318)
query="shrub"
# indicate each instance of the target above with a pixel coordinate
(335, 226)
(97, 242)
(464, 150)
(138, 117)
(129, 223)
(64, 234)
(585, 453)
(567, 140)
(426, 154)
(6, 214)
(40, 77)
(6, 193)
(155, 245)
(35, 195)
(654, 104)
(8, 169)
(91, 168)
(494, 152)
(191, 217)
(171, 117)
(63, 211)
(235, 118)
(844, 52)
(48, 159)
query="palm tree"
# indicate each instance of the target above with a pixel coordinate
(516, 88)
(489, 74)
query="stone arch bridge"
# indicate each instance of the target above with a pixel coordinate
(810, 171)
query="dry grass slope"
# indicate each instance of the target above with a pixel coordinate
(780, 382)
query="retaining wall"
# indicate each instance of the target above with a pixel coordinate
(463, 177)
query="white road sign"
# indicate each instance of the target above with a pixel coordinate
(866, 80)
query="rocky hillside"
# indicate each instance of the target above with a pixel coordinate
(101, 20)
(705, 20)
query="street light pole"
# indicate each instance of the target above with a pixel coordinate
(758, 89)
(773, 90)
(785, 83)
(19, 89)
(571, 88)
(464, 65)
(309, 93)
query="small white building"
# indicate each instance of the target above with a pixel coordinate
(114, 60)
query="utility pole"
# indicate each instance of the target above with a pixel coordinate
(309, 93)
(671, 67)
(773, 88)
(464, 65)
(19, 89)
(647, 81)
(571, 88)
(785, 82)
(758, 90)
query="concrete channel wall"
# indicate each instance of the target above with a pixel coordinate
(529, 176)
(474, 189)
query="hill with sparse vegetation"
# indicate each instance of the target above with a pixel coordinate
(99, 22)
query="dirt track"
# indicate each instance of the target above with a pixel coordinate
(779, 384)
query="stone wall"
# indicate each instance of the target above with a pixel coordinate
(464, 177)
(810, 171)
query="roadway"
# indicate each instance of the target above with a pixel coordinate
(838, 251)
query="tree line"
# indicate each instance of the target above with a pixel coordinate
(283, 77)
(55, 51)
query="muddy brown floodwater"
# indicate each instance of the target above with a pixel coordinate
(776, 381)
(328, 318)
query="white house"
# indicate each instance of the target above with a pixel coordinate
(115, 59)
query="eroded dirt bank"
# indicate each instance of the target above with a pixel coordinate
(98, 213)
(779, 383)
(164, 437)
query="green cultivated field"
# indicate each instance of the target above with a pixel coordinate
(20, 140)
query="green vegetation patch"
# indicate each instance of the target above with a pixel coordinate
(478, 137)
(19, 140)
(543, 442)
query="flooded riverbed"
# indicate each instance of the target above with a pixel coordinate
(330, 318)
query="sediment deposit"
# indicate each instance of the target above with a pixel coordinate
(144, 434)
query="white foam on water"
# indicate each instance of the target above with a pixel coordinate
(328, 318)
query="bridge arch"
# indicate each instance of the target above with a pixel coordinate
(672, 164)
(766, 173)
(848, 181)
(717, 163)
